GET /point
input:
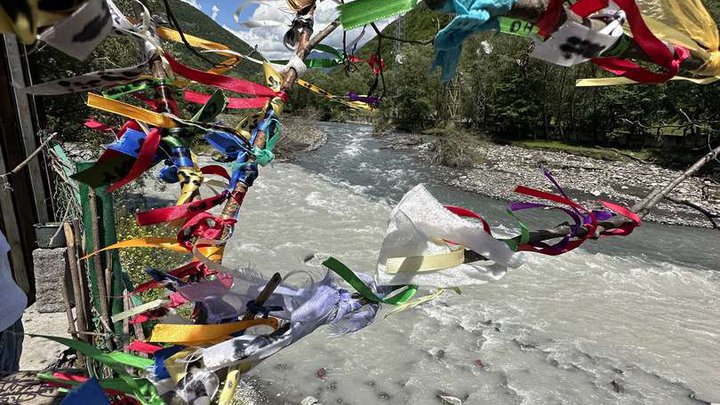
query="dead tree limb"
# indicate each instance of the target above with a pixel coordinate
(642, 207)
(710, 216)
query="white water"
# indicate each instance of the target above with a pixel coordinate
(629, 321)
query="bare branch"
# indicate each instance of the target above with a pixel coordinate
(710, 216)
(641, 208)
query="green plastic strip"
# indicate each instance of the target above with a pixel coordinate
(524, 234)
(119, 91)
(266, 155)
(108, 236)
(362, 12)
(321, 62)
(214, 106)
(343, 271)
(514, 26)
(141, 389)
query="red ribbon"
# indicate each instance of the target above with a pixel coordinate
(571, 244)
(143, 347)
(76, 378)
(466, 213)
(98, 126)
(202, 225)
(622, 211)
(188, 210)
(219, 81)
(215, 170)
(182, 272)
(149, 315)
(233, 102)
(376, 63)
(150, 102)
(654, 48)
(143, 161)
(550, 18)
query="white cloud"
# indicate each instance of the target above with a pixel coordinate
(269, 39)
(215, 11)
(193, 3)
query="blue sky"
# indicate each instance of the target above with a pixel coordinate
(269, 39)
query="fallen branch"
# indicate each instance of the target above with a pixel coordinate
(710, 216)
(4, 177)
(641, 208)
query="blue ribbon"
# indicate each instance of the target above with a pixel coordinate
(471, 16)
(89, 392)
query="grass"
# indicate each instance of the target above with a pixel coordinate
(457, 149)
(588, 151)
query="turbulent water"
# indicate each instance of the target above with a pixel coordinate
(630, 320)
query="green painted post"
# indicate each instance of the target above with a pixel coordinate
(108, 236)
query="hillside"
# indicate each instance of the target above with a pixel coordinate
(195, 22)
(65, 114)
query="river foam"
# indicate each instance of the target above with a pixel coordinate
(621, 321)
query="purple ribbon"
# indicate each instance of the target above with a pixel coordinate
(372, 100)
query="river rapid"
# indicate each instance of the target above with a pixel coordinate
(631, 320)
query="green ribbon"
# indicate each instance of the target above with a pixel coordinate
(351, 278)
(362, 12)
(119, 91)
(212, 108)
(263, 156)
(321, 62)
(514, 26)
(139, 388)
(524, 233)
(266, 155)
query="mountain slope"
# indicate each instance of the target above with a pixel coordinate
(195, 22)
(65, 114)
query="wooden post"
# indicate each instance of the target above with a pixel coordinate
(27, 127)
(99, 273)
(80, 309)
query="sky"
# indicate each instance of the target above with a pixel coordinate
(269, 39)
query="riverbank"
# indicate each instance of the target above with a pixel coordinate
(625, 180)
(298, 136)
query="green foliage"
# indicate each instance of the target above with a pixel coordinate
(456, 149)
(497, 95)
(136, 260)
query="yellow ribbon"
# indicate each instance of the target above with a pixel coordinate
(418, 264)
(130, 111)
(162, 243)
(212, 253)
(172, 35)
(190, 180)
(198, 334)
(618, 81)
(352, 104)
(419, 301)
(176, 365)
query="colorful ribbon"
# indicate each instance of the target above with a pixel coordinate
(362, 12)
(351, 278)
(199, 334)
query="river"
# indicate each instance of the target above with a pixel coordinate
(632, 320)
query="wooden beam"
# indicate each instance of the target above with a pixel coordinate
(26, 127)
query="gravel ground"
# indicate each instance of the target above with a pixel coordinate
(587, 179)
